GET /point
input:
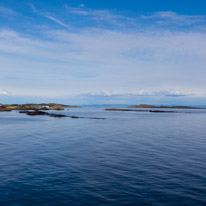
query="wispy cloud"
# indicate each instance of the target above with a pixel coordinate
(117, 61)
(55, 20)
(166, 17)
(47, 15)
(102, 57)
(33, 7)
(100, 15)
(7, 11)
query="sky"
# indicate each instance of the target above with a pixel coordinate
(103, 52)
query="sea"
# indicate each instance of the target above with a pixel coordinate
(128, 158)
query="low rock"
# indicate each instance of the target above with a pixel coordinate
(161, 111)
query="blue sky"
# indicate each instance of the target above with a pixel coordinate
(97, 51)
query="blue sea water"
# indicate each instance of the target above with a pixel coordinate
(130, 158)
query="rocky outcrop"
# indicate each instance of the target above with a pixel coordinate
(50, 106)
(39, 112)
(125, 110)
(161, 111)
(135, 110)
(4, 109)
(163, 107)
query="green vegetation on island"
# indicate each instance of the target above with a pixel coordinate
(43, 106)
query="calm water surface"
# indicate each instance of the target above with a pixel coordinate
(127, 159)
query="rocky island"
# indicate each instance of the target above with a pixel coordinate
(40, 110)
(163, 107)
(43, 106)
(151, 108)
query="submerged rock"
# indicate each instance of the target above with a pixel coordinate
(38, 112)
(57, 115)
(75, 117)
(35, 112)
(135, 110)
(125, 110)
(161, 111)
(96, 118)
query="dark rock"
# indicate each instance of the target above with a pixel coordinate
(57, 115)
(5, 110)
(134, 110)
(96, 118)
(161, 111)
(125, 110)
(75, 117)
(38, 112)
